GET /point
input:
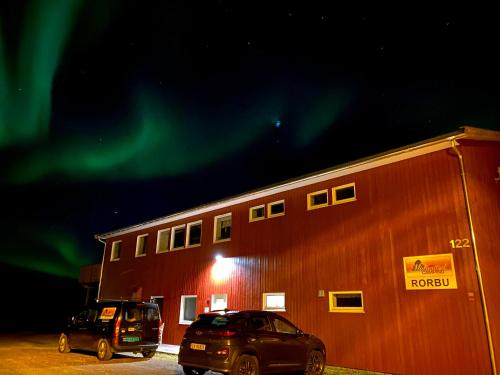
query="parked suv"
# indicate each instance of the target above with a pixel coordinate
(249, 342)
(110, 327)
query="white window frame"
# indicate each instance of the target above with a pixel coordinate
(334, 195)
(220, 217)
(137, 242)
(332, 299)
(215, 297)
(250, 218)
(269, 209)
(181, 313)
(112, 257)
(172, 237)
(311, 206)
(188, 232)
(265, 307)
(158, 236)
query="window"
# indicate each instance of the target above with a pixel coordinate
(257, 213)
(194, 234)
(140, 245)
(222, 228)
(178, 237)
(344, 193)
(276, 209)
(346, 302)
(188, 309)
(283, 327)
(116, 249)
(259, 323)
(162, 240)
(218, 302)
(317, 199)
(273, 302)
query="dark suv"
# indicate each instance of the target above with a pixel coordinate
(110, 327)
(249, 342)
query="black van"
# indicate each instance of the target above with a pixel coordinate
(109, 327)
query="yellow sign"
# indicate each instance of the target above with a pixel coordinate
(107, 313)
(430, 272)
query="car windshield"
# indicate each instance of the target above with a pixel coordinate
(212, 321)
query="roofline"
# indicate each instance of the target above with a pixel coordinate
(392, 156)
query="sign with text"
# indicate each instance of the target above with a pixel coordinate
(430, 272)
(107, 313)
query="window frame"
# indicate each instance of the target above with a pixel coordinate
(250, 218)
(188, 232)
(113, 257)
(310, 196)
(158, 251)
(269, 209)
(172, 237)
(181, 312)
(265, 307)
(137, 241)
(216, 219)
(334, 195)
(332, 299)
(213, 298)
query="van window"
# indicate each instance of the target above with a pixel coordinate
(152, 314)
(132, 314)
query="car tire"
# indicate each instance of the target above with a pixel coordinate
(148, 353)
(64, 344)
(246, 365)
(104, 352)
(193, 370)
(315, 363)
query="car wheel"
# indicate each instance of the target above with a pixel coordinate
(246, 365)
(148, 353)
(104, 352)
(63, 344)
(193, 370)
(315, 363)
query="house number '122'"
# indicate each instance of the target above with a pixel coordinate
(459, 243)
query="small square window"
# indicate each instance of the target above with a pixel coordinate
(222, 228)
(188, 309)
(317, 199)
(140, 245)
(344, 193)
(116, 249)
(257, 213)
(276, 208)
(346, 302)
(218, 302)
(178, 238)
(162, 241)
(194, 234)
(273, 301)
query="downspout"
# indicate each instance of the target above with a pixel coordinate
(102, 266)
(454, 144)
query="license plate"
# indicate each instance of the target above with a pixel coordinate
(197, 346)
(131, 339)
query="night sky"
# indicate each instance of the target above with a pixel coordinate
(117, 112)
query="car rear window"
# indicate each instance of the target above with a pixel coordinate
(213, 321)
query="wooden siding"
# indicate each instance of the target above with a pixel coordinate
(412, 207)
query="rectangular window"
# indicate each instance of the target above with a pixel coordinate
(188, 309)
(317, 199)
(276, 208)
(218, 302)
(162, 240)
(116, 249)
(273, 301)
(257, 213)
(346, 302)
(222, 228)
(194, 234)
(344, 193)
(140, 245)
(178, 239)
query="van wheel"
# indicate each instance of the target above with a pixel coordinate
(193, 370)
(104, 352)
(246, 365)
(64, 344)
(315, 363)
(149, 353)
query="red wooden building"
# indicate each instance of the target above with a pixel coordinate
(392, 260)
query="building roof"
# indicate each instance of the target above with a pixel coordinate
(407, 152)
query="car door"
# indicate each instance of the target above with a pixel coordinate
(151, 324)
(82, 332)
(265, 340)
(293, 345)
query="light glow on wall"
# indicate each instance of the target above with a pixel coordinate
(222, 269)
